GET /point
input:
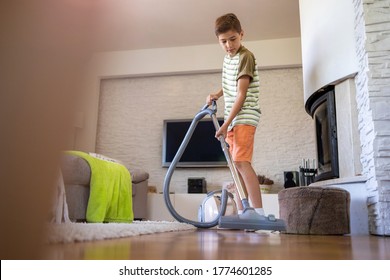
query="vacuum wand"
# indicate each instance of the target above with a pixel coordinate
(232, 167)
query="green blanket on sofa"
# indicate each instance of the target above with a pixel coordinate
(110, 198)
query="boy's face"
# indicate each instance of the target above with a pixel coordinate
(230, 42)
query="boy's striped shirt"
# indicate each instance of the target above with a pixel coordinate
(243, 63)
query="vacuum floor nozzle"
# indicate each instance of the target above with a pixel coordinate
(251, 220)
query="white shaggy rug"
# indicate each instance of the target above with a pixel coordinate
(79, 232)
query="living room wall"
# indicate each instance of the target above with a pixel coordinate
(270, 54)
(132, 110)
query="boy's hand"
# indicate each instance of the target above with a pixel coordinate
(210, 98)
(213, 96)
(222, 131)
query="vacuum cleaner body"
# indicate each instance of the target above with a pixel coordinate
(224, 217)
(211, 205)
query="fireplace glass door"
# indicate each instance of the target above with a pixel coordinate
(324, 115)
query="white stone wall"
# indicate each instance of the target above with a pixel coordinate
(132, 110)
(372, 26)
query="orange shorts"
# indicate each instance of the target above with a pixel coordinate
(241, 140)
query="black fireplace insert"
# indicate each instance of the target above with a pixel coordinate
(323, 112)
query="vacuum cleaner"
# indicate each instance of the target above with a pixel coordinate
(248, 220)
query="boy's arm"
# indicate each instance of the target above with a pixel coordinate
(242, 88)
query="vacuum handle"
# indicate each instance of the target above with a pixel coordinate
(213, 106)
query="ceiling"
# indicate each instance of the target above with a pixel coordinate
(145, 24)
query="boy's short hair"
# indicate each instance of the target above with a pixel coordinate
(226, 23)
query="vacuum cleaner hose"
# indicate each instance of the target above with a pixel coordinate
(224, 196)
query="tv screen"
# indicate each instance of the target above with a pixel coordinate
(203, 150)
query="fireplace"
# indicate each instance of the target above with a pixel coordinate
(322, 108)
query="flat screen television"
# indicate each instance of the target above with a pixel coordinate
(203, 150)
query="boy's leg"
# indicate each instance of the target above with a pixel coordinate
(251, 182)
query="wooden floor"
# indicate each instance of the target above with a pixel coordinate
(213, 244)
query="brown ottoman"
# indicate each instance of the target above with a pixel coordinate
(315, 210)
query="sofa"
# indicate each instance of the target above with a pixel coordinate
(77, 174)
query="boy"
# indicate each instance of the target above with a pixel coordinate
(240, 89)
